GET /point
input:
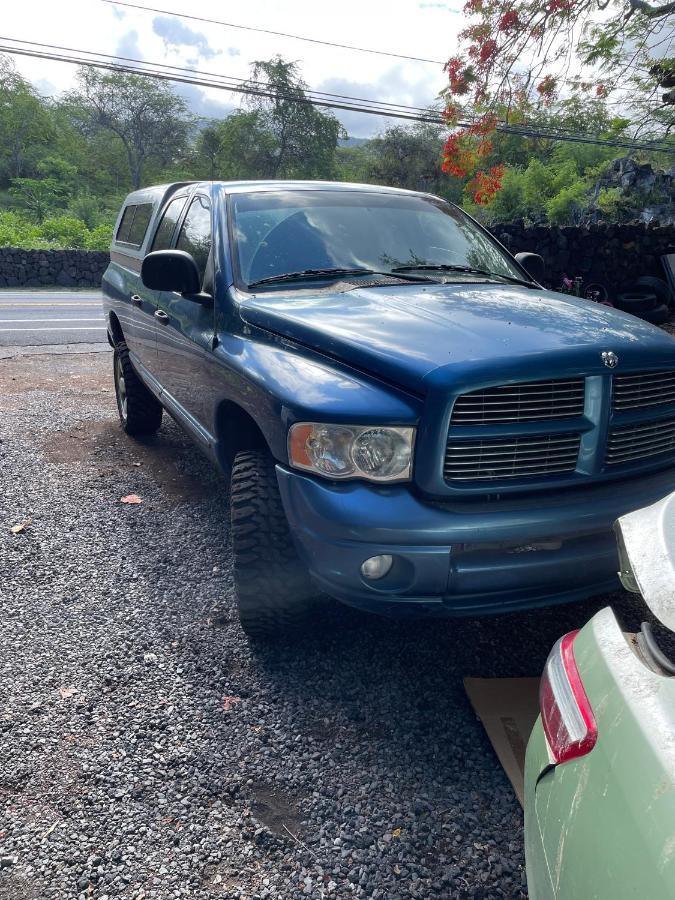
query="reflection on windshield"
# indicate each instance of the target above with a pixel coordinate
(277, 232)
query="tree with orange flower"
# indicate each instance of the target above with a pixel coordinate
(518, 59)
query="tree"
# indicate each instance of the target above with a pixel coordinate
(25, 122)
(518, 58)
(209, 147)
(300, 140)
(409, 157)
(38, 196)
(152, 123)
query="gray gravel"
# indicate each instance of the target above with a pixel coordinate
(145, 752)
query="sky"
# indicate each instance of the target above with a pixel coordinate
(412, 27)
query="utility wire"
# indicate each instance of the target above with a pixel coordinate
(354, 104)
(295, 37)
(225, 78)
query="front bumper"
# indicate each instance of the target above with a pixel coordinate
(460, 557)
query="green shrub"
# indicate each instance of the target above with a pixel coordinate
(65, 232)
(99, 238)
(17, 232)
(614, 205)
(88, 209)
(56, 233)
(565, 206)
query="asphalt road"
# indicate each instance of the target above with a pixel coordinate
(35, 318)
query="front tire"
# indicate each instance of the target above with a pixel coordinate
(140, 412)
(274, 592)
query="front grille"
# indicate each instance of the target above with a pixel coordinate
(527, 402)
(642, 390)
(628, 443)
(510, 457)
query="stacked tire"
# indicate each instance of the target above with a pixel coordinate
(647, 299)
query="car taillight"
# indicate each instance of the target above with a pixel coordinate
(566, 714)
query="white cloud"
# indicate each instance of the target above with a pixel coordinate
(128, 46)
(174, 32)
(402, 27)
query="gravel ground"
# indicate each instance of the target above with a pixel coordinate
(145, 752)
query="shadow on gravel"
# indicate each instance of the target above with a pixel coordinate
(105, 448)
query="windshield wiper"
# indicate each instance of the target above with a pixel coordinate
(469, 270)
(329, 273)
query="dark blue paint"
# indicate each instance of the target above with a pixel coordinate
(401, 355)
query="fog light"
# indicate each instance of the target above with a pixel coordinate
(377, 566)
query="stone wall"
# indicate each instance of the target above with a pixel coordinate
(49, 268)
(614, 255)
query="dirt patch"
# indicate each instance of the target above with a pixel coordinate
(275, 809)
(104, 447)
(72, 374)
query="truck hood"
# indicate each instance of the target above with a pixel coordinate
(647, 551)
(418, 336)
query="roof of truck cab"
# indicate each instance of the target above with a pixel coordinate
(163, 191)
(236, 186)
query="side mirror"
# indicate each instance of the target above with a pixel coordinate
(532, 263)
(171, 270)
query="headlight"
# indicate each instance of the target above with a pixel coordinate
(378, 453)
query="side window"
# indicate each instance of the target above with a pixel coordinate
(195, 235)
(140, 224)
(167, 224)
(134, 224)
(122, 235)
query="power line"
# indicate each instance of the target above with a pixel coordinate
(295, 37)
(224, 78)
(353, 104)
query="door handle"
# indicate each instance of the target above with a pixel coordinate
(136, 299)
(162, 316)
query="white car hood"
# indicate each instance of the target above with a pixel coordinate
(648, 537)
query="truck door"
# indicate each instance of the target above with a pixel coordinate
(137, 306)
(186, 328)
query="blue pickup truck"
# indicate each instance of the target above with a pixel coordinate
(409, 421)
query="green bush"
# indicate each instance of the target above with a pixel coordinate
(65, 232)
(55, 233)
(613, 204)
(99, 238)
(565, 206)
(17, 232)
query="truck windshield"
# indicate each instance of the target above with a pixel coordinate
(293, 231)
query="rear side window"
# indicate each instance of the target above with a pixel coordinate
(125, 225)
(167, 224)
(195, 235)
(140, 224)
(134, 224)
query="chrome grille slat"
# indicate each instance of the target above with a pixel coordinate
(495, 396)
(503, 457)
(548, 471)
(628, 390)
(643, 389)
(645, 403)
(520, 457)
(639, 431)
(636, 444)
(631, 443)
(516, 442)
(526, 402)
(643, 378)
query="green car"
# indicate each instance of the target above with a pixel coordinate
(600, 763)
